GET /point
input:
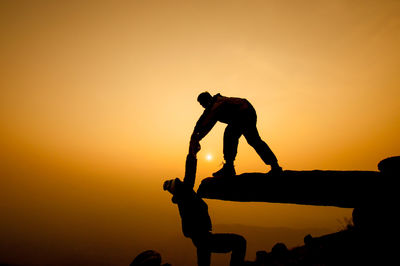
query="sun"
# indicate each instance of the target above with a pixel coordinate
(209, 157)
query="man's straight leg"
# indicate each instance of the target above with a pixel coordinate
(263, 150)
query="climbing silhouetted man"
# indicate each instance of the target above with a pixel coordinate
(196, 224)
(241, 118)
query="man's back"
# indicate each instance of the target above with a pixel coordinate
(193, 211)
(228, 109)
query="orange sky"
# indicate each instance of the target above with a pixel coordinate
(98, 101)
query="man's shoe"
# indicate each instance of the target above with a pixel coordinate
(226, 170)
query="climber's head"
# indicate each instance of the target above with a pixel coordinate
(170, 185)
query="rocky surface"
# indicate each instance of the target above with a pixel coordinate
(347, 189)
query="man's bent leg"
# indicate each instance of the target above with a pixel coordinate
(203, 256)
(223, 243)
(231, 141)
(202, 244)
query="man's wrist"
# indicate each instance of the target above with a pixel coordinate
(196, 136)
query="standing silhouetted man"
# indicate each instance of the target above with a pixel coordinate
(241, 118)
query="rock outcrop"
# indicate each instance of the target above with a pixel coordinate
(347, 189)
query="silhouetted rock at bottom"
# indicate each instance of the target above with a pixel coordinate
(351, 246)
(148, 258)
(367, 240)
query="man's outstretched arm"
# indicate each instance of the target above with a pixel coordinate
(203, 126)
(190, 170)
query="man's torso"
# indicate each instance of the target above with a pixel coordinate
(230, 109)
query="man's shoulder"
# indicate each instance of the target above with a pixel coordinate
(230, 100)
(218, 99)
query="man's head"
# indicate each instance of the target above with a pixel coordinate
(204, 99)
(170, 185)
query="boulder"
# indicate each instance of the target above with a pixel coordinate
(148, 258)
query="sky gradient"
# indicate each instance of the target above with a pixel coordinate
(98, 102)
